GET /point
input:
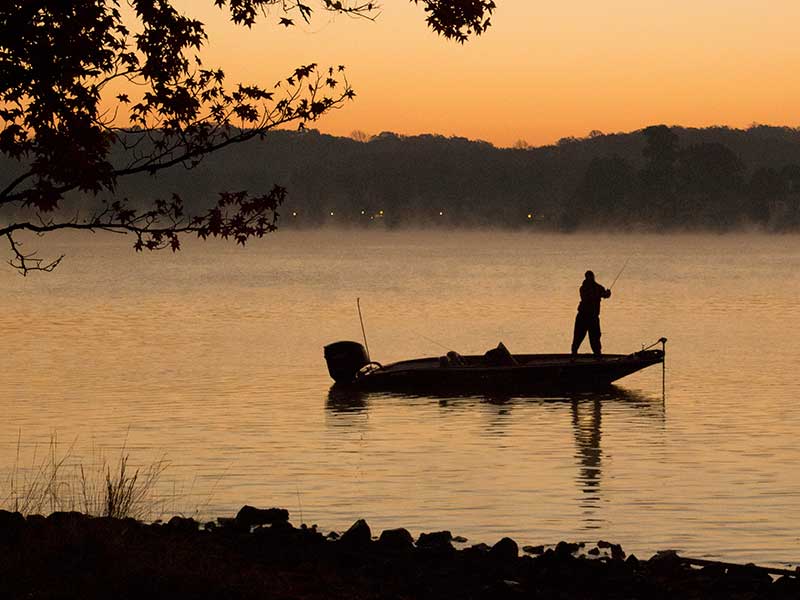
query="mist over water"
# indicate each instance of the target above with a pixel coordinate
(213, 357)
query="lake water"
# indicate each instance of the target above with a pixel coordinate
(213, 358)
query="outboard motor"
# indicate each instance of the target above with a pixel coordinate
(344, 360)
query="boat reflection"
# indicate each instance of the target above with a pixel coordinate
(587, 429)
(586, 417)
(346, 400)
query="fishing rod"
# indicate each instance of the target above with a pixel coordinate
(620, 273)
(364, 334)
(432, 341)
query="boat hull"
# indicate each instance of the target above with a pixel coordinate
(531, 373)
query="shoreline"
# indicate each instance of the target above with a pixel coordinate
(260, 554)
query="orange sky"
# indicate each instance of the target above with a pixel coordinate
(543, 70)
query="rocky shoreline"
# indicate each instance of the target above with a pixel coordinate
(260, 554)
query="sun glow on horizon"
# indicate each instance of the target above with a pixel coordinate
(541, 72)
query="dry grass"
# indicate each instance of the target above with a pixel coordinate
(57, 481)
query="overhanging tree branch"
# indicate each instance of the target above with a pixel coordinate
(59, 59)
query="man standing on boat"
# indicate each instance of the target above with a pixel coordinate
(588, 318)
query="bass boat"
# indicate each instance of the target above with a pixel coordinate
(498, 370)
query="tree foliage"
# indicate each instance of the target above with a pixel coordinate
(93, 91)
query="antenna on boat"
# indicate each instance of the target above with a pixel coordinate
(363, 333)
(620, 273)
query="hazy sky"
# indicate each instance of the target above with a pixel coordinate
(543, 71)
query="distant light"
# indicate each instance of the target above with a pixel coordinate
(380, 212)
(530, 215)
(331, 213)
(294, 214)
(362, 212)
(441, 212)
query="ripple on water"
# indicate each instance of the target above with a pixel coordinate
(214, 358)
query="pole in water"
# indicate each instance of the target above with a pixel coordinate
(663, 341)
(363, 333)
(620, 273)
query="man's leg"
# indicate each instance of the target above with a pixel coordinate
(594, 335)
(579, 333)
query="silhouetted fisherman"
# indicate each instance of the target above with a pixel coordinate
(588, 317)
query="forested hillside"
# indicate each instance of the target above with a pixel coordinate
(656, 178)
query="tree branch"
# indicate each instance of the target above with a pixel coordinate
(57, 60)
(10, 187)
(236, 215)
(25, 263)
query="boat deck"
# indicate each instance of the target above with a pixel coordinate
(522, 360)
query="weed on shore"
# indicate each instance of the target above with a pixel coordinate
(60, 481)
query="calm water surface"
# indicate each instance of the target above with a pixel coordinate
(213, 358)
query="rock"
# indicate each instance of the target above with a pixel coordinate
(533, 549)
(230, 526)
(481, 547)
(594, 552)
(332, 536)
(249, 516)
(310, 535)
(632, 561)
(67, 519)
(460, 539)
(787, 587)
(748, 576)
(210, 526)
(396, 540)
(502, 589)
(11, 519)
(617, 553)
(437, 540)
(281, 535)
(310, 532)
(566, 548)
(181, 525)
(505, 550)
(603, 544)
(358, 535)
(666, 562)
(36, 520)
(12, 524)
(281, 526)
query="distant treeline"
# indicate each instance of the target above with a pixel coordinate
(656, 178)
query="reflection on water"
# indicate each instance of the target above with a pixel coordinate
(343, 400)
(348, 408)
(586, 419)
(587, 415)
